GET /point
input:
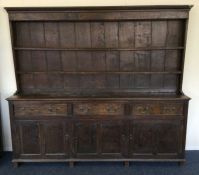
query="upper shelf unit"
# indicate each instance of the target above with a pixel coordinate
(99, 50)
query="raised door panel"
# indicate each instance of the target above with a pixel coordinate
(85, 139)
(161, 139)
(141, 138)
(112, 139)
(30, 139)
(56, 139)
(169, 138)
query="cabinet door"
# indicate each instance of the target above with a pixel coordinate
(142, 138)
(29, 136)
(56, 139)
(112, 139)
(155, 139)
(85, 139)
(169, 138)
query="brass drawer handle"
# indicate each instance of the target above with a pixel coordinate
(84, 108)
(169, 109)
(111, 109)
(143, 109)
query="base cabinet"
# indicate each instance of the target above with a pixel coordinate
(126, 131)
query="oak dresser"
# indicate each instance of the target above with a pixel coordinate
(98, 84)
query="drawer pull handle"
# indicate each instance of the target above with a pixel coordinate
(169, 109)
(111, 109)
(143, 109)
(84, 109)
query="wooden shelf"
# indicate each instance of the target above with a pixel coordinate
(64, 72)
(98, 49)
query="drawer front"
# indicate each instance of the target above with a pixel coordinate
(98, 109)
(40, 109)
(161, 108)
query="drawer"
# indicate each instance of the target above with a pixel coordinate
(158, 108)
(98, 109)
(40, 109)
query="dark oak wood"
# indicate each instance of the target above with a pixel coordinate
(99, 13)
(99, 84)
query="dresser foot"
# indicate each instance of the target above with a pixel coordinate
(181, 163)
(15, 164)
(71, 164)
(126, 164)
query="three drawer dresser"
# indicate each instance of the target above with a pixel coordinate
(98, 84)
